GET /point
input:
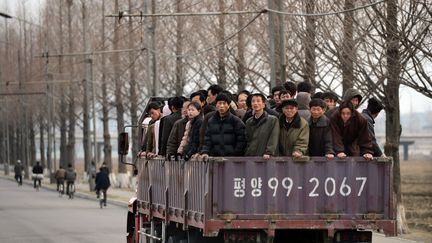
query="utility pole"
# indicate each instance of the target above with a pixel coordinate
(277, 44)
(88, 67)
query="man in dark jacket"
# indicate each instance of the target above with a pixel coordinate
(370, 113)
(70, 176)
(350, 134)
(225, 133)
(18, 169)
(102, 183)
(320, 134)
(167, 122)
(262, 130)
(37, 174)
(212, 92)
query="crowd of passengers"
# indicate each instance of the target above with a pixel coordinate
(292, 122)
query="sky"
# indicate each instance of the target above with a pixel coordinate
(410, 101)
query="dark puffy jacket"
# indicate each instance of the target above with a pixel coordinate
(351, 138)
(371, 121)
(165, 130)
(102, 180)
(225, 136)
(320, 137)
(37, 169)
(18, 169)
(176, 136)
(193, 145)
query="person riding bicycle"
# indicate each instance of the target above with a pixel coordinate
(102, 182)
(60, 177)
(37, 174)
(70, 176)
(18, 169)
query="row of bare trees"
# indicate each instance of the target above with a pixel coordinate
(334, 45)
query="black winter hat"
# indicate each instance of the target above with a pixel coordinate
(374, 105)
(292, 102)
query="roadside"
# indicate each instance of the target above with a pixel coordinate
(116, 196)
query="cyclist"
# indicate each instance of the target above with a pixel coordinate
(60, 177)
(70, 176)
(102, 183)
(18, 172)
(37, 174)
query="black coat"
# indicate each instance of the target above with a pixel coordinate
(371, 129)
(37, 169)
(320, 137)
(167, 124)
(193, 145)
(176, 136)
(102, 180)
(225, 136)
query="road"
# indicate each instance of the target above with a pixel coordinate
(42, 216)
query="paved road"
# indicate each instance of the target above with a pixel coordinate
(42, 216)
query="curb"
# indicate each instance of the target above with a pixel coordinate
(77, 194)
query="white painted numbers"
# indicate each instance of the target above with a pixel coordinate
(331, 186)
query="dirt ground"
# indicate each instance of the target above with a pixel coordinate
(417, 198)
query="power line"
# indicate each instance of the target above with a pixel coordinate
(142, 15)
(324, 14)
(23, 93)
(46, 55)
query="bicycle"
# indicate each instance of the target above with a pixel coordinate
(37, 181)
(61, 189)
(71, 190)
(102, 198)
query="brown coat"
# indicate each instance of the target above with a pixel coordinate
(351, 138)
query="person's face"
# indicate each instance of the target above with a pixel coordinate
(316, 112)
(241, 101)
(192, 112)
(222, 107)
(155, 114)
(185, 109)
(346, 114)
(210, 97)
(276, 97)
(330, 103)
(289, 111)
(283, 97)
(257, 104)
(355, 101)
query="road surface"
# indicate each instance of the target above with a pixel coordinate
(42, 216)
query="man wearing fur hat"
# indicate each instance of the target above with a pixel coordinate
(373, 109)
(294, 131)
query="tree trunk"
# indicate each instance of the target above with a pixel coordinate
(63, 105)
(179, 50)
(118, 85)
(391, 89)
(221, 65)
(241, 60)
(42, 140)
(71, 108)
(309, 45)
(348, 51)
(277, 44)
(105, 104)
(32, 138)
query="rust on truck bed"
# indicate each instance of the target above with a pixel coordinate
(250, 193)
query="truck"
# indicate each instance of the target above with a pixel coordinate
(248, 199)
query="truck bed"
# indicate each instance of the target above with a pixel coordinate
(250, 193)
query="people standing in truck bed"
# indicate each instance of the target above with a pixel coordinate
(320, 133)
(350, 134)
(225, 133)
(167, 122)
(177, 132)
(373, 109)
(294, 131)
(193, 141)
(262, 130)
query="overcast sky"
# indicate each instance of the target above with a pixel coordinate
(410, 100)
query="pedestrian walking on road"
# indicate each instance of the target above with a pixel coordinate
(18, 172)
